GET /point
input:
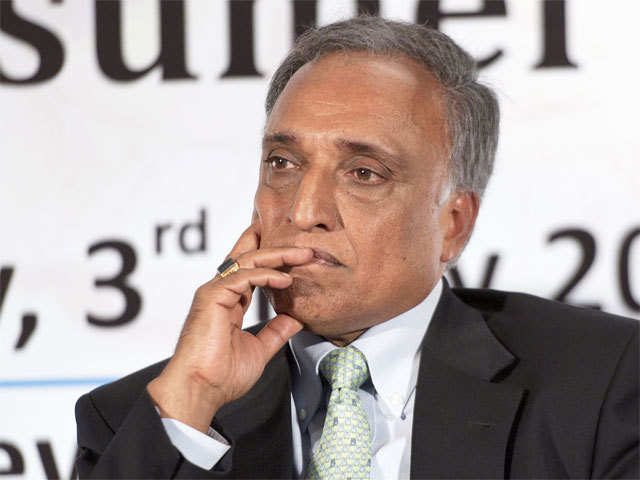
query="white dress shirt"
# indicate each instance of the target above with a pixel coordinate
(392, 350)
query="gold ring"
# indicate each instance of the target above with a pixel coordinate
(228, 267)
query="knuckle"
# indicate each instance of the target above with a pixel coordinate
(243, 259)
(200, 291)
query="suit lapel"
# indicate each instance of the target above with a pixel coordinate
(462, 420)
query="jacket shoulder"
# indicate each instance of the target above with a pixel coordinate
(530, 313)
(553, 339)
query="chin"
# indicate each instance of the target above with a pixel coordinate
(303, 300)
(308, 302)
(321, 312)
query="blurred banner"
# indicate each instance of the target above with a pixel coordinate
(129, 151)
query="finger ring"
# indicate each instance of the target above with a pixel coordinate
(228, 267)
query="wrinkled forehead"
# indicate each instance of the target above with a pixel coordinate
(362, 93)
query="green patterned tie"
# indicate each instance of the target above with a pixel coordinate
(344, 449)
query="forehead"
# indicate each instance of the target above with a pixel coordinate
(388, 99)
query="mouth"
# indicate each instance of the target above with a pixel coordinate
(325, 258)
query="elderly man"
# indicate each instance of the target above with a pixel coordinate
(377, 147)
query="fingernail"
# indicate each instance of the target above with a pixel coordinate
(285, 274)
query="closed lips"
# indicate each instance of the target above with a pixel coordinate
(326, 256)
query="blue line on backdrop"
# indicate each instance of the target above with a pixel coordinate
(55, 382)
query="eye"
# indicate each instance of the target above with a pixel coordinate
(279, 163)
(365, 175)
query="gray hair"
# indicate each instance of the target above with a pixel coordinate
(473, 112)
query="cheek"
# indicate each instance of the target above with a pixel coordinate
(426, 237)
(404, 243)
(270, 210)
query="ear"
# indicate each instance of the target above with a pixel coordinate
(458, 216)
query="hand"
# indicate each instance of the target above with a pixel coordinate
(215, 361)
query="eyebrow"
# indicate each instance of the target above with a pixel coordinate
(280, 137)
(351, 146)
(364, 148)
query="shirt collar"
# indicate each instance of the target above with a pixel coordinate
(390, 348)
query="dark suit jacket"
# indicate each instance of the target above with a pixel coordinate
(509, 385)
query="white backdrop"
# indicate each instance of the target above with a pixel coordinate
(85, 159)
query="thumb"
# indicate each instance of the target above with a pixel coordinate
(276, 333)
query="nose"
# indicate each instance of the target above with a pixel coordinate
(314, 205)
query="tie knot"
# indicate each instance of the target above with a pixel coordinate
(345, 368)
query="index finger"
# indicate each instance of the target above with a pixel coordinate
(275, 257)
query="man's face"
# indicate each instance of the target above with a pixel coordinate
(353, 163)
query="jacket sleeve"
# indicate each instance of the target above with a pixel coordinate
(616, 452)
(138, 447)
